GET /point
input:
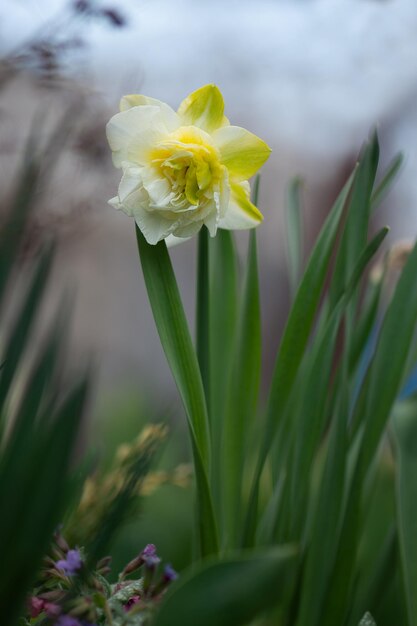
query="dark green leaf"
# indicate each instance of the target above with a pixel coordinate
(230, 592)
(405, 428)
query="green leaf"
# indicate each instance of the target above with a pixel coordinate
(294, 233)
(175, 338)
(20, 332)
(230, 592)
(32, 496)
(223, 322)
(386, 181)
(355, 232)
(365, 324)
(405, 429)
(293, 344)
(375, 582)
(383, 383)
(244, 390)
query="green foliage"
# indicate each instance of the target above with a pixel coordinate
(317, 455)
(230, 592)
(39, 417)
(176, 341)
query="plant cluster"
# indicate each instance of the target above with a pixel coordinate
(72, 592)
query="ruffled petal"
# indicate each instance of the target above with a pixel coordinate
(242, 152)
(153, 226)
(241, 213)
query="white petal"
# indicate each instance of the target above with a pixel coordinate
(170, 117)
(188, 229)
(115, 202)
(172, 241)
(132, 133)
(212, 223)
(159, 189)
(153, 226)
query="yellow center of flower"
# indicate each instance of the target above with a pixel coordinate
(189, 161)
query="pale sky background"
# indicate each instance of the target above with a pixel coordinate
(314, 75)
(310, 77)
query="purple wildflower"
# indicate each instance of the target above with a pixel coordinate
(39, 605)
(151, 562)
(67, 620)
(169, 574)
(131, 602)
(71, 564)
(149, 550)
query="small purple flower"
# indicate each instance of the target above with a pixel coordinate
(131, 602)
(151, 562)
(149, 550)
(67, 620)
(71, 564)
(39, 605)
(169, 574)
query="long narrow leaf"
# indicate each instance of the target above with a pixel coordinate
(383, 385)
(223, 322)
(293, 343)
(176, 341)
(405, 428)
(294, 234)
(244, 394)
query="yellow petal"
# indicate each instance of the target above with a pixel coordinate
(203, 108)
(241, 213)
(242, 152)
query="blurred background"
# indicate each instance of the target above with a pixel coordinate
(310, 77)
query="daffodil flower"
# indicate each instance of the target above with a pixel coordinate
(184, 169)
